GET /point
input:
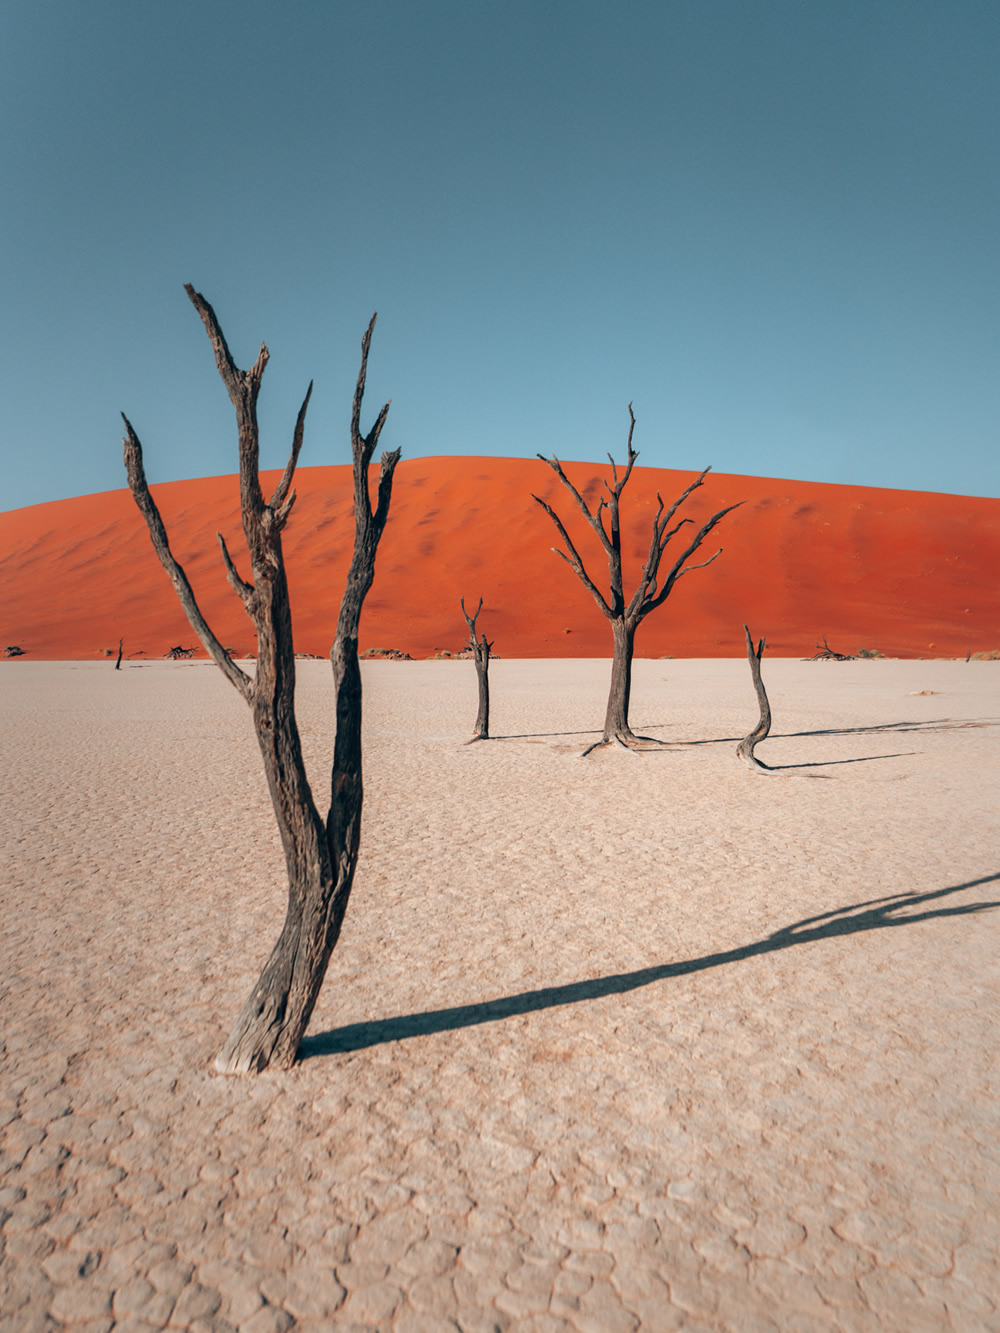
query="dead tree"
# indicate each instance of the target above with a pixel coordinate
(651, 592)
(481, 657)
(320, 855)
(118, 664)
(824, 653)
(745, 749)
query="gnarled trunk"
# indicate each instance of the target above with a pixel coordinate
(745, 749)
(616, 726)
(272, 1022)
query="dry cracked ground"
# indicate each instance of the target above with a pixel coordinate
(615, 1044)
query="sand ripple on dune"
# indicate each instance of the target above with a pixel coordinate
(610, 1044)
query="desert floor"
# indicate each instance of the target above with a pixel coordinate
(625, 1042)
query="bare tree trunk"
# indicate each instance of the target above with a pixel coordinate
(745, 749)
(320, 858)
(118, 664)
(616, 725)
(481, 657)
(273, 1021)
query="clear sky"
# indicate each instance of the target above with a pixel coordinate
(774, 225)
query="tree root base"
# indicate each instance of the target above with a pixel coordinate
(754, 764)
(630, 743)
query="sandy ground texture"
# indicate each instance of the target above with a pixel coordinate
(626, 1042)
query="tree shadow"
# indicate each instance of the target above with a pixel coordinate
(876, 729)
(829, 763)
(876, 914)
(544, 735)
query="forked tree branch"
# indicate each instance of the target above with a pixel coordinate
(480, 649)
(243, 387)
(234, 379)
(471, 620)
(372, 520)
(652, 602)
(593, 519)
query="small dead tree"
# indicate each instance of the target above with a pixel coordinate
(651, 591)
(824, 653)
(745, 749)
(118, 664)
(481, 657)
(320, 855)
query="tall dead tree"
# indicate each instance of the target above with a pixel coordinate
(481, 657)
(651, 591)
(320, 855)
(745, 749)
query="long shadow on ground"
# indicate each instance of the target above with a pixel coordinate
(877, 914)
(876, 729)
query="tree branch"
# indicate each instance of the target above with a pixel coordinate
(277, 500)
(678, 569)
(243, 589)
(362, 449)
(698, 481)
(243, 386)
(387, 466)
(632, 456)
(233, 378)
(573, 558)
(471, 620)
(688, 568)
(593, 520)
(161, 544)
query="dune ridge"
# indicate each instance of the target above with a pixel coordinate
(907, 573)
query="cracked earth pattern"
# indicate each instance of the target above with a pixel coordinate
(624, 1043)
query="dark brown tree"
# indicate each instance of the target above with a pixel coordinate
(118, 664)
(481, 656)
(745, 749)
(320, 855)
(824, 653)
(651, 591)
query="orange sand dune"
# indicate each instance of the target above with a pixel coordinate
(908, 573)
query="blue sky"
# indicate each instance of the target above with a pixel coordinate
(771, 225)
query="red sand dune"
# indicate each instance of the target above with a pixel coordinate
(909, 573)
